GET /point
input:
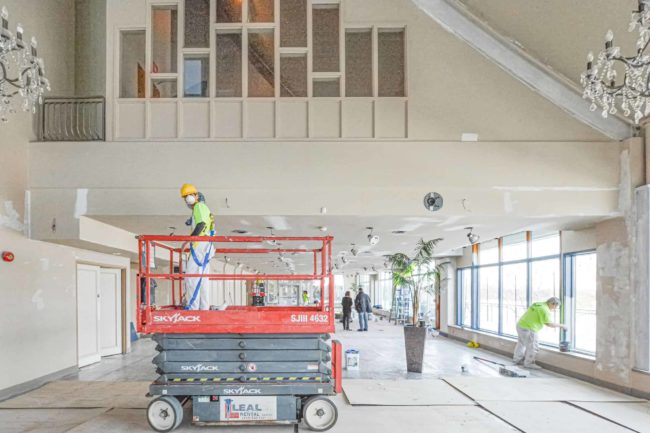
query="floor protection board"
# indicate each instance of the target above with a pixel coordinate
(428, 392)
(44, 420)
(66, 394)
(548, 416)
(532, 389)
(632, 415)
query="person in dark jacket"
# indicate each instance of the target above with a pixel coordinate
(363, 307)
(346, 303)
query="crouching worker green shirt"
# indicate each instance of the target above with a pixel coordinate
(536, 317)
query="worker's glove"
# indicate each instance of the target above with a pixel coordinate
(188, 222)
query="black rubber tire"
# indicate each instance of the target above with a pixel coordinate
(314, 399)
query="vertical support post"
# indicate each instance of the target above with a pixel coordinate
(331, 277)
(138, 285)
(171, 271)
(147, 283)
(322, 276)
(337, 365)
(529, 268)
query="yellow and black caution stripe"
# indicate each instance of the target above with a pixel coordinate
(249, 379)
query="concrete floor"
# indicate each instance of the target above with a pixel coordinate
(382, 358)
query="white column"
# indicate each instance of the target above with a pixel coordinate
(642, 278)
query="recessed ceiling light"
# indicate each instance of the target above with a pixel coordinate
(398, 232)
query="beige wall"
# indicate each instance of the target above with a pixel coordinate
(90, 47)
(52, 23)
(452, 89)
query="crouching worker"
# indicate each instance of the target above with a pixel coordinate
(195, 295)
(534, 319)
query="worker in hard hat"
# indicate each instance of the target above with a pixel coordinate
(195, 296)
(534, 320)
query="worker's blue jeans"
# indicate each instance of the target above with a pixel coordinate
(363, 321)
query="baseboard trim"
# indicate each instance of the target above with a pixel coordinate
(614, 387)
(31, 385)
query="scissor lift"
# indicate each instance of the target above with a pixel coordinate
(245, 364)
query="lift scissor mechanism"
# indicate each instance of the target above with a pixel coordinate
(243, 364)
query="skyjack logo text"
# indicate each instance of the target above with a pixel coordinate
(242, 391)
(199, 367)
(176, 318)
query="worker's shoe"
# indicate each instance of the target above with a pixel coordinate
(520, 362)
(532, 366)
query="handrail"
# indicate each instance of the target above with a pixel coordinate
(72, 119)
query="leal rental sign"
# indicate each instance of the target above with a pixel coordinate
(248, 408)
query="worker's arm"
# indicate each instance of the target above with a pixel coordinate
(198, 229)
(557, 325)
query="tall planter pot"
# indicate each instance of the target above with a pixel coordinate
(414, 339)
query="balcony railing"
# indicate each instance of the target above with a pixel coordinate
(72, 119)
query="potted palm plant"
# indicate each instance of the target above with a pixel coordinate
(418, 275)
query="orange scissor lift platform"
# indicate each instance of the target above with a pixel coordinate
(243, 364)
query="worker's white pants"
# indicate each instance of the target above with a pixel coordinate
(195, 296)
(527, 346)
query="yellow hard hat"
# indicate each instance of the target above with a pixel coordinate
(188, 189)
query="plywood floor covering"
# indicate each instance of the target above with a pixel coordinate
(429, 392)
(548, 416)
(632, 415)
(79, 394)
(533, 389)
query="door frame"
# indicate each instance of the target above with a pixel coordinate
(118, 310)
(125, 275)
(81, 362)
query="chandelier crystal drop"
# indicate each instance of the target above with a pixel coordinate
(22, 76)
(612, 78)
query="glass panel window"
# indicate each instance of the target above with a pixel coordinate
(261, 67)
(327, 87)
(229, 65)
(466, 301)
(229, 11)
(325, 29)
(195, 76)
(584, 266)
(358, 62)
(293, 75)
(514, 247)
(197, 23)
(391, 71)
(132, 64)
(164, 88)
(488, 295)
(545, 284)
(488, 252)
(164, 37)
(545, 245)
(260, 11)
(514, 280)
(293, 23)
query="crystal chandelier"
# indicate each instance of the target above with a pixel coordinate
(600, 80)
(22, 79)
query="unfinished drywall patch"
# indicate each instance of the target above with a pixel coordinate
(10, 218)
(613, 339)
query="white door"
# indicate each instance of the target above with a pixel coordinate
(88, 283)
(110, 313)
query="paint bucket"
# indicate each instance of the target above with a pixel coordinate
(564, 346)
(352, 359)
